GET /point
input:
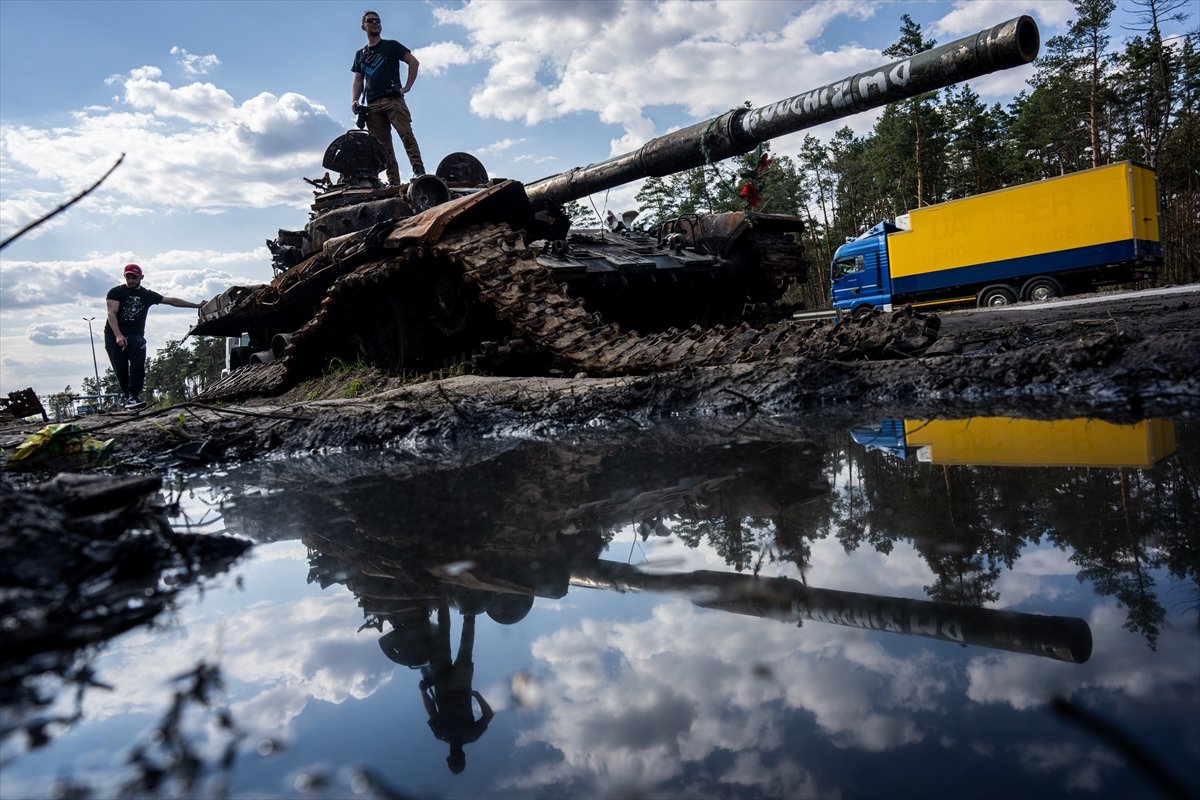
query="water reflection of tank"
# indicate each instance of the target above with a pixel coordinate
(401, 573)
(535, 519)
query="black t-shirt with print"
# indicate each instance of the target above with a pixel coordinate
(135, 303)
(380, 66)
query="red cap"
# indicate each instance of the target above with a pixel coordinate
(133, 269)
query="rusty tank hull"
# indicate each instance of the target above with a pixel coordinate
(459, 267)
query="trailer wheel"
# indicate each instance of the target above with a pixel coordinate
(1041, 289)
(996, 296)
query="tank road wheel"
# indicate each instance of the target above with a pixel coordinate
(427, 191)
(996, 297)
(1041, 289)
(451, 304)
(239, 357)
(394, 339)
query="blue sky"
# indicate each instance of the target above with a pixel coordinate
(222, 107)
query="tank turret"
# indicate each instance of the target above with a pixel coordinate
(458, 266)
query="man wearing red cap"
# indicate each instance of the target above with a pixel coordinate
(125, 332)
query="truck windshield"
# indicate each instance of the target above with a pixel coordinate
(844, 266)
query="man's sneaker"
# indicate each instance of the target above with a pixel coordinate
(134, 403)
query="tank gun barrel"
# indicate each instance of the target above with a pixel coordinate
(1009, 44)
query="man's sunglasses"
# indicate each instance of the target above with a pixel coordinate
(371, 22)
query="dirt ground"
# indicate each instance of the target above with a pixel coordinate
(1121, 360)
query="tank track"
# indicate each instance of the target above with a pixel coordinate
(495, 259)
(510, 279)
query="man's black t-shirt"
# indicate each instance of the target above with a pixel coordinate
(380, 66)
(135, 304)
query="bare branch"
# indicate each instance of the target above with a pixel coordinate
(63, 207)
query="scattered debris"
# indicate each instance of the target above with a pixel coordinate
(22, 403)
(60, 445)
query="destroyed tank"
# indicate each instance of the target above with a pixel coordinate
(458, 265)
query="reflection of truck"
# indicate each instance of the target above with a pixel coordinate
(1036, 241)
(1008, 442)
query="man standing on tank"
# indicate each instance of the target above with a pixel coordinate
(125, 332)
(377, 71)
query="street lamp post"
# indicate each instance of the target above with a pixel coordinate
(95, 366)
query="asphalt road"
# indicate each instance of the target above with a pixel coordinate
(1115, 305)
(1131, 301)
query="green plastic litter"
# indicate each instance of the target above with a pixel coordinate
(63, 441)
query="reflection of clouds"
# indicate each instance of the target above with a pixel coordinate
(301, 650)
(669, 716)
(1083, 769)
(1120, 662)
(286, 550)
(1035, 578)
(274, 658)
(902, 573)
(784, 778)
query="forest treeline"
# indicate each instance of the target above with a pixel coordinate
(1088, 104)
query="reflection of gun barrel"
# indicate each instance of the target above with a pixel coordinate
(1062, 638)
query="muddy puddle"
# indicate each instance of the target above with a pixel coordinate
(933, 608)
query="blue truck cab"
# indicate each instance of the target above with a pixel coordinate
(860, 275)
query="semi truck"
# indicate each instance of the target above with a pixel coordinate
(1036, 241)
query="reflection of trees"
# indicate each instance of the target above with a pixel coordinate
(968, 522)
(1123, 524)
(958, 518)
(738, 540)
(764, 515)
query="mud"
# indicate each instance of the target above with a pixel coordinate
(82, 559)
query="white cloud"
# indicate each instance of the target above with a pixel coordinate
(192, 148)
(193, 64)
(42, 285)
(437, 58)
(499, 147)
(969, 16)
(201, 103)
(621, 60)
(57, 333)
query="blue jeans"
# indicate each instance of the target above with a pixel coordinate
(129, 362)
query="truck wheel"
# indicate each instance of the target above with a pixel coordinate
(1041, 289)
(863, 311)
(996, 296)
